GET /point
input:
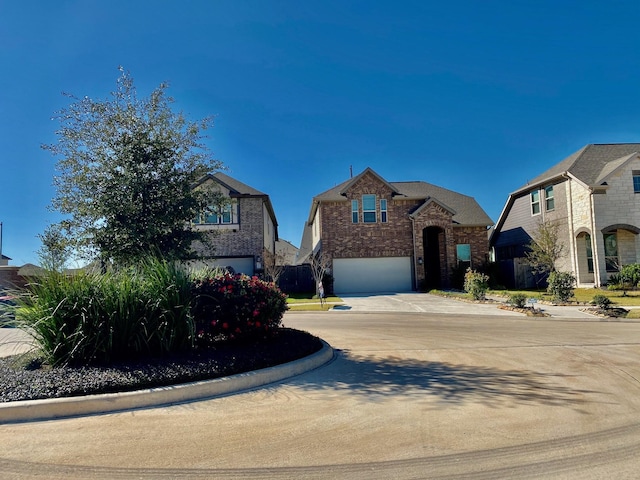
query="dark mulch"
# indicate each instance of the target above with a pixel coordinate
(23, 377)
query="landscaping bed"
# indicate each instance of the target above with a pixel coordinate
(24, 377)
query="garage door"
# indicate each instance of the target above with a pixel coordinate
(371, 275)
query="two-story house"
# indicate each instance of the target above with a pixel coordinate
(593, 196)
(241, 228)
(395, 236)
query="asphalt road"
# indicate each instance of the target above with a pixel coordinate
(409, 395)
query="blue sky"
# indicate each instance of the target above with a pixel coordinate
(474, 96)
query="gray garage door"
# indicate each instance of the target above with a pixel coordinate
(372, 275)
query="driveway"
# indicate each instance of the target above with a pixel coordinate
(427, 303)
(408, 395)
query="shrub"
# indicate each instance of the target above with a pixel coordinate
(92, 318)
(232, 307)
(630, 275)
(476, 284)
(601, 301)
(614, 282)
(560, 285)
(518, 300)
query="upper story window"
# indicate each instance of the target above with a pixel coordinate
(549, 202)
(216, 215)
(369, 208)
(354, 211)
(535, 202)
(383, 210)
(636, 181)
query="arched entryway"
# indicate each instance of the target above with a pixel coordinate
(434, 256)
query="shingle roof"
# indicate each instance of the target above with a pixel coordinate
(589, 163)
(235, 186)
(467, 210)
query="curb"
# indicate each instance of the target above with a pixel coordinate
(55, 408)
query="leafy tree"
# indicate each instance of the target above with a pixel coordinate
(54, 252)
(545, 248)
(126, 171)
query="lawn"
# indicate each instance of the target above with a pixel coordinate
(298, 302)
(581, 295)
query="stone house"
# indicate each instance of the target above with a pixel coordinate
(593, 196)
(394, 236)
(240, 229)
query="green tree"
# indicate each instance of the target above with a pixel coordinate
(126, 171)
(545, 248)
(54, 252)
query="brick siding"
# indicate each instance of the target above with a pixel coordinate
(244, 239)
(341, 238)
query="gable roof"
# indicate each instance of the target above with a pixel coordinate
(369, 170)
(465, 209)
(234, 186)
(239, 189)
(590, 163)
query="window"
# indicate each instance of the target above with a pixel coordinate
(611, 252)
(369, 208)
(535, 202)
(215, 215)
(587, 239)
(354, 211)
(636, 181)
(549, 203)
(383, 210)
(463, 252)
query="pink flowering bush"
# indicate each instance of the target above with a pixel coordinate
(231, 307)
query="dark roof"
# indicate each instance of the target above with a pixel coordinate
(235, 186)
(466, 210)
(588, 164)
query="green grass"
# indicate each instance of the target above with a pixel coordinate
(633, 313)
(309, 307)
(581, 295)
(299, 302)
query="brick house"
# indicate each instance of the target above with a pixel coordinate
(394, 236)
(593, 196)
(240, 229)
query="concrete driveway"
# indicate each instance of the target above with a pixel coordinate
(427, 303)
(408, 395)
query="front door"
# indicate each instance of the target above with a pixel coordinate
(431, 242)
